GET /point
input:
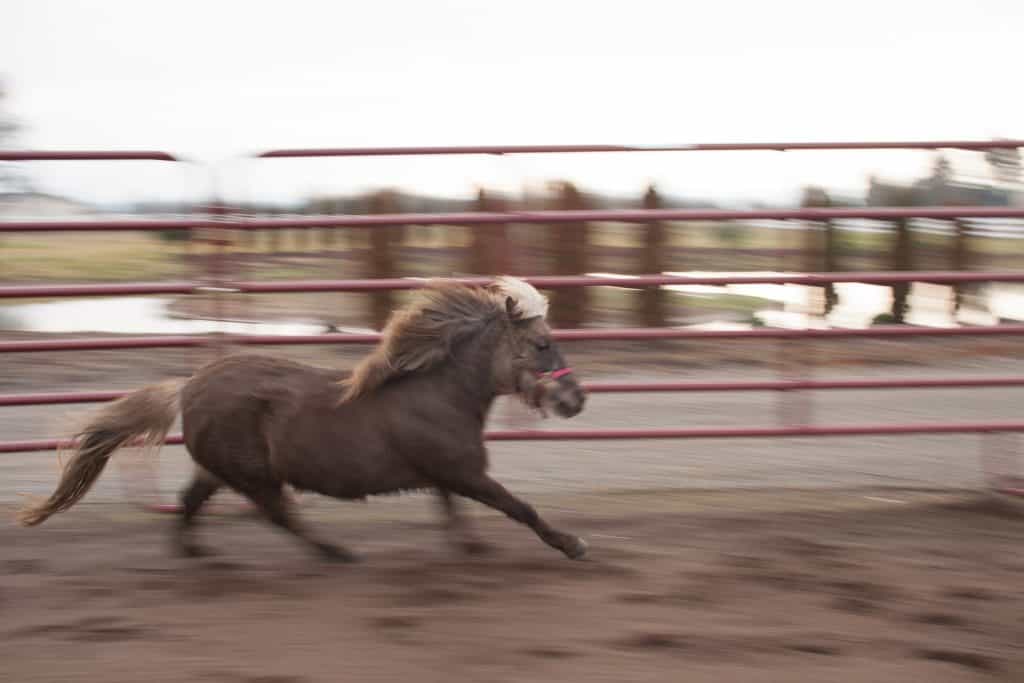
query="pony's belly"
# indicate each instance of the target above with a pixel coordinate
(357, 485)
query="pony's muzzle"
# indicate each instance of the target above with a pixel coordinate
(566, 397)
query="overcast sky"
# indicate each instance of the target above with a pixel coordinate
(215, 80)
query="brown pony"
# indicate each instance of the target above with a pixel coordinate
(410, 416)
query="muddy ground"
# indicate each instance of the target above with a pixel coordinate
(853, 585)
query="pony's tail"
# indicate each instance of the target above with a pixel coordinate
(146, 415)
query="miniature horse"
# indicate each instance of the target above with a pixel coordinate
(409, 416)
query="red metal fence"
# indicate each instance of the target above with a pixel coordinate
(785, 387)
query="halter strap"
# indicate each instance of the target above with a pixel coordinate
(555, 374)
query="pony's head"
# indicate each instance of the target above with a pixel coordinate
(529, 362)
(498, 330)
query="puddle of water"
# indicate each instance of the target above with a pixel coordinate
(858, 305)
(129, 315)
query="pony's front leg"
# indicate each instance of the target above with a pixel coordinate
(485, 490)
(459, 527)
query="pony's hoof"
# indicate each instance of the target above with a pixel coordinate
(575, 549)
(333, 553)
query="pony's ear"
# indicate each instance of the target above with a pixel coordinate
(511, 308)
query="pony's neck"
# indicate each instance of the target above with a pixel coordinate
(469, 377)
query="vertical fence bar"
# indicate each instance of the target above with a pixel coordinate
(998, 456)
(217, 273)
(653, 299)
(796, 364)
(491, 250)
(571, 252)
(383, 245)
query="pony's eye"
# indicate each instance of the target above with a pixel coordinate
(542, 345)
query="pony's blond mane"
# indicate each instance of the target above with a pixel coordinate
(423, 334)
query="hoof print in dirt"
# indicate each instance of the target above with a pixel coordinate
(395, 623)
(853, 605)
(26, 566)
(814, 649)
(970, 660)
(653, 641)
(478, 548)
(940, 619)
(638, 598)
(550, 653)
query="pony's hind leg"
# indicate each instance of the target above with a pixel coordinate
(459, 528)
(272, 501)
(203, 486)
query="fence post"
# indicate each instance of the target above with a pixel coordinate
(820, 253)
(328, 236)
(902, 259)
(382, 256)
(653, 301)
(274, 241)
(219, 273)
(901, 248)
(961, 261)
(568, 305)
(491, 251)
(301, 238)
(939, 190)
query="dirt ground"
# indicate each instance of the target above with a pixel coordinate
(758, 586)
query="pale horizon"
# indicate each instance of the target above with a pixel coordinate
(213, 82)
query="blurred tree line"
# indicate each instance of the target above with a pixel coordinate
(578, 247)
(571, 248)
(940, 188)
(557, 249)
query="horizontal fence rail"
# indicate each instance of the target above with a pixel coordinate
(748, 432)
(85, 155)
(133, 155)
(974, 145)
(59, 398)
(798, 385)
(881, 429)
(541, 282)
(220, 219)
(471, 218)
(586, 334)
(104, 289)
